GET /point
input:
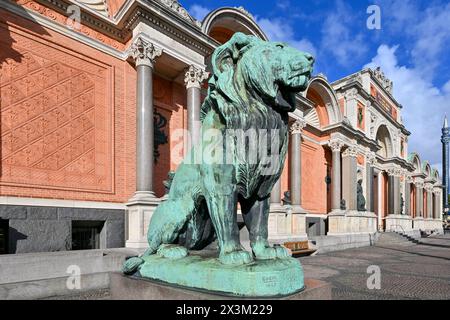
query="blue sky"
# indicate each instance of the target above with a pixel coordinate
(412, 47)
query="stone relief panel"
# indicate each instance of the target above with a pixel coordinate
(56, 118)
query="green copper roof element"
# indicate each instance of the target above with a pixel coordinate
(264, 278)
(411, 156)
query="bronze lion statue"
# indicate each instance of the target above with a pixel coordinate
(252, 89)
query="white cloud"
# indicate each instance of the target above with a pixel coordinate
(198, 11)
(279, 30)
(424, 31)
(424, 105)
(339, 39)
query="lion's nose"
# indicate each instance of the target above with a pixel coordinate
(310, 58)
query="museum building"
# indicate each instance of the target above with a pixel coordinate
(93, 94)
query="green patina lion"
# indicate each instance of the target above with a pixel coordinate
(253, 86)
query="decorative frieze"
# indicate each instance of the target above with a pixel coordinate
(143, 52)
(176, 7)
(194, 77)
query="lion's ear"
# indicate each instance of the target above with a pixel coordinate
(227, 54)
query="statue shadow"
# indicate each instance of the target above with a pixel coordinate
(9, 55)
(13, 238)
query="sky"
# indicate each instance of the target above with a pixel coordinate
(412, 47)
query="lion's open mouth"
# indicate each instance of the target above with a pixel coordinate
(286, 98)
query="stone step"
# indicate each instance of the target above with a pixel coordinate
(393, 238)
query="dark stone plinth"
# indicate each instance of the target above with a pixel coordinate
(129, 288)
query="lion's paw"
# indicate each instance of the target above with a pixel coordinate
(238, 257)
(265, 252)
(172, 251)
(131, 265)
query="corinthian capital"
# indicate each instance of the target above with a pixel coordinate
(371, 158)
(194, 77)
(351, 151)
(336, 145)
(297, 126)
(143, 52)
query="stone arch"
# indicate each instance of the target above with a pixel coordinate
(435, 174)
(222, 23)
(426, 169)
(327, 109)
(415, 160)
(384, 139)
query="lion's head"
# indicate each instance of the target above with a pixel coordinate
(247, 69)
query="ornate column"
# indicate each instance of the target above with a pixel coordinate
(349, 177)
(336, 146)
(407, 196)
(275, 195)
(429, 190)
(193, 80)
(394, 190)
(370, 164)
(142, 204)
(296, 130)
(419, 199)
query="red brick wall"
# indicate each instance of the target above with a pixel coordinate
(66, 110)
(68, 117)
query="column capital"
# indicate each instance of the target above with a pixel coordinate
(144, 52)
(351, 151)
(297, 126)
(408, 178)
(194, 77)
(394, 172)
(429, 187)
(371, 158)
(336, 145)
(419, 184)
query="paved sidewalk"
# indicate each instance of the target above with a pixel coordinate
(407, 272)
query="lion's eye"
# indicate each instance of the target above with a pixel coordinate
(279, 45)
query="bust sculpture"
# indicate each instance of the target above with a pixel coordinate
(252, 87)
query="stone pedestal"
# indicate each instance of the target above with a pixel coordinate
(418, 223)
(399, 223)
(129, 288)
(202, 270)
(287, 223)
(280, 222)
(351, 222)
(139, 213)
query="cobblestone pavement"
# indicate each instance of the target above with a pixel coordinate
(407, 272)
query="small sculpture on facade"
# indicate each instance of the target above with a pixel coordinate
(167, 183)
(287, 198)
(402, 204)
(343, 205)
(361, 200)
